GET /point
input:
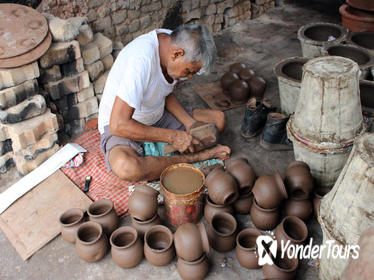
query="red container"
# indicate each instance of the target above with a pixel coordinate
(366, 5)
(356, 20)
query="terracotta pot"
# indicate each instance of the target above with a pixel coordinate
(246, 74)
(292, 229)
(236, 67)
(257, 87)
(283, 268)
(319, 193)
(158, 245)
(127, 248)
(102, 211)
(269, 191)
(244, 203)
(193, 270)
(246, 249)
(211, 208)
(361, 4)
(243, 172)
(228, 78)
(143, 202)
(356, 20)
(363, 39)
(70, 221)
(222, 187)
(264, 219)
(239, 91)
(298, 180)
(222, 232)
(143, 226)
(91, 242)
(299, 207)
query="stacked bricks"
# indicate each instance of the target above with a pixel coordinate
(260, 7)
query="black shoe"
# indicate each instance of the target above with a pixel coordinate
(274, 137)
(254, 117)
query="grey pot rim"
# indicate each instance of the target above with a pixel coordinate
(352, 34)
(278, 69)
(301, 34)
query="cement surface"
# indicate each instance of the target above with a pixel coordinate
(261, 43)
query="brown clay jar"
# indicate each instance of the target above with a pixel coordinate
(127, 248)
(228, 78)
(282, 268)
(269, 191)
(244, 203)
(211, 208)
(246, 248)
(298, 179)
(246, 74)
(239, 91)
(257, 87)
(292, 229)
(222, 232)
(222, 187)
(195, 270)
(236, 67)
(158, 245)
(264, 219)
(70, 221)
(299, 207)
(102, 211)
(243, 172)
(143, 202)
(143, 226)
(319, 193)
(91, 242)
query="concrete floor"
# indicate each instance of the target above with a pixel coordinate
(260, 43)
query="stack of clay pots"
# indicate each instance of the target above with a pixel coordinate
(358, 15)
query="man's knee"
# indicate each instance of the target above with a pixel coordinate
(220, 120)
(127, 168)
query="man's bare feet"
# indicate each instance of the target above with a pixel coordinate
(218, 152)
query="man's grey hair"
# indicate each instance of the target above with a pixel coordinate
(197, 43)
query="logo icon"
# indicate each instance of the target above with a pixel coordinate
(263, 254)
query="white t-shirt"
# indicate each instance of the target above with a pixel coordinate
(136, 77)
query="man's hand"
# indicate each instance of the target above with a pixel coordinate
(182, 141)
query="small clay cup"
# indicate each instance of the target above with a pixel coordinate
(222, 232)
(298, 179)
(222, 187)
(143, 226)
(244, 203)
(269, 191)
(236, 67)
(70, 221)
(228, 78)
(127, 248)
(102, 211)
(91, 242)
(143, 202)
(246, 74)
(211, 208)
(282, 268)
(243, 172)
(257, 87)
(158, 245)
(264, 219)
(246, 248)
(195, 270)
(299, 207)
(293, 229)
(319, 193)
(239, 91)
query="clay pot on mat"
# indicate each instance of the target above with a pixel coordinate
(264, 219)
(239, 91)
(70, 221)
(319, 193)
(246, 74)
(355, 19)
(102, 211)
(246, 249)
(228, 78)
(194, 270)
(143, 202)
(221, 232)
(243, 172)
(91, 242)
(143, 226)
(222, 187)
(244, 203)
(269, 191)
(299, 207)
(127, 248)
(298, 180)
(293, 229)
(282, 268)
(257, 87)
(211, 208)
(158, 245)
(236, 67)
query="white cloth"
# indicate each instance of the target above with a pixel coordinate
(136, 77)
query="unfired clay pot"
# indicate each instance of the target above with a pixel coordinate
(195, 270)
(257, 87)
(244, 203)
(299, 207)
(246, 74)
(143, 226)
(269, 191)
(293, 229)
(236, 67)
(264, 219)
(222, 187)
(246, 249)
(127, 248)
(70, 221)
(211, 208)
(298, 180)
(319, 193)
(228, 78)
(243, 172)
(239, 91)
(91, 242)
(102, 211)
(143, 202)
(158, 245)
(222, 232)
(283, 268)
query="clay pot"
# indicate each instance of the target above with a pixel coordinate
(158, 245)
(299, 207)
(298, 180)
(319, 193)
(222, 187)
(257, 87)
(356, 20)
(102, 211)
(246, 249)
(221, 232)
(70, 221)
(362, 4)
(244, 203)
(211, 208)
(283, 268)
(91, 242)
(127, 249)
(246, 74)
(195, 270)
(363, 39)
(366, 95)
(239, 91)
(269, 191)
(143, 226)
(243, 172)
(228, 78)
(293, 229)
(236, 67)
(143, 202)
(264, 219)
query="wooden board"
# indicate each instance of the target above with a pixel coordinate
(213, 95)
(32, 221)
